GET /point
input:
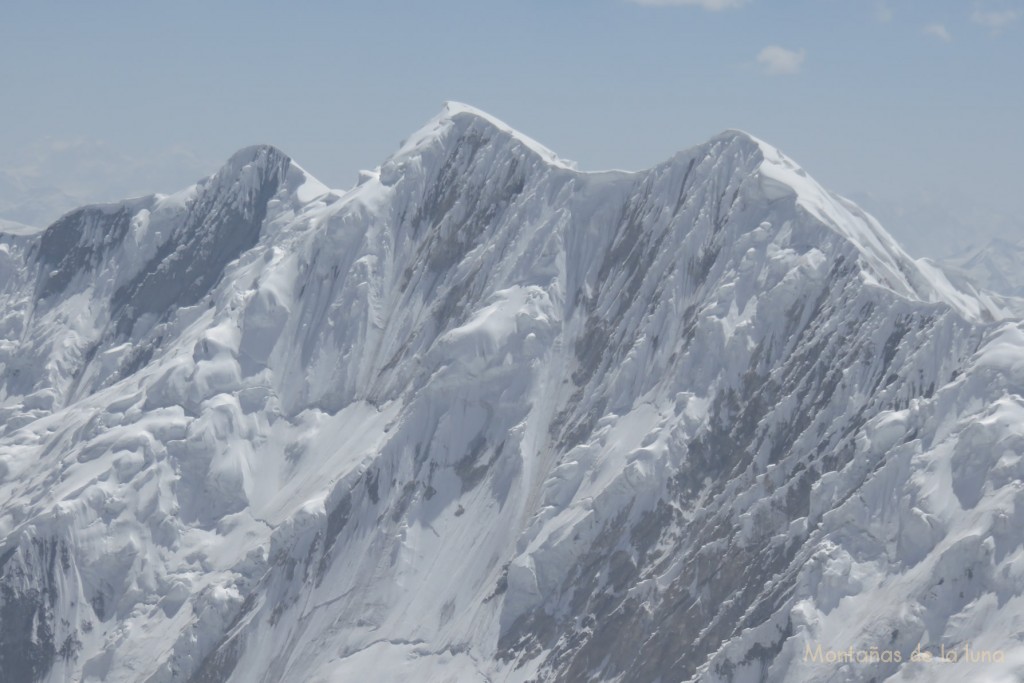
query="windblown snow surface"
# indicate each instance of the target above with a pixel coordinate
(485, 417)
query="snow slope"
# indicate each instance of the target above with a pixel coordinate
(487, 417)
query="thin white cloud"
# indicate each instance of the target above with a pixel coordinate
(883, 12)
(938, 31)
(996, 20)
(779, 61)
(712, 5)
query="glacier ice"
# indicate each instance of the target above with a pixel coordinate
(484, 416)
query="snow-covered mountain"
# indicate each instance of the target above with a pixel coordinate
(41, 181)
(23, 203)
(15, 228)
(995, 266)
(942, 225)
(485, 417)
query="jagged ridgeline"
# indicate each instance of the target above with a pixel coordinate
(485, 417)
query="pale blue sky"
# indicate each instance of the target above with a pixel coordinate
(908, 101)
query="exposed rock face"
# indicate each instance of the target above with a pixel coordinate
(486, 417)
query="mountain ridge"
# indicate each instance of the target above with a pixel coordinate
(488, 417)
(780, 174)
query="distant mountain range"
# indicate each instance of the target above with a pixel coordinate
(997, 265)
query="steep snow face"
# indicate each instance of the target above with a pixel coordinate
(486, 417)
(107, 279)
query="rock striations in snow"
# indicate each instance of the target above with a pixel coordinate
(485, 417)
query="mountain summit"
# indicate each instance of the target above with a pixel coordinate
(484, 416)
